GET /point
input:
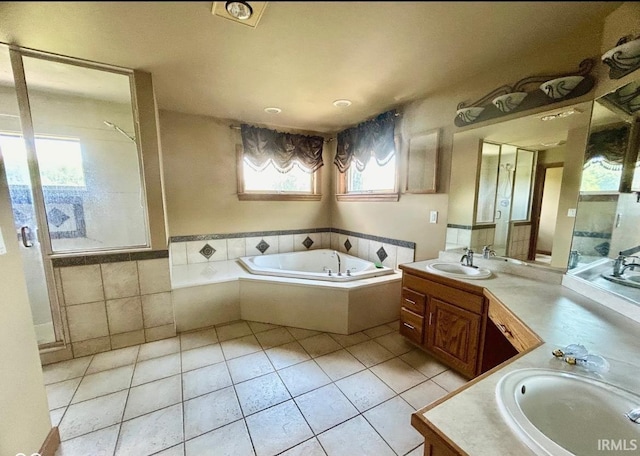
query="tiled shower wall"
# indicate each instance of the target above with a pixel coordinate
(115, 302)
(459, 236)
(220, 247)
(519, 239)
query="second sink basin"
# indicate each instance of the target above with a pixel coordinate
(458, 270)
(563, 414)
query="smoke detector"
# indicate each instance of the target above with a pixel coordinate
(242, 12)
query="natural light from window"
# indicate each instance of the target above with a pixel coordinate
(597, 176)
(270, 179)
(374, 178)
(59, 160)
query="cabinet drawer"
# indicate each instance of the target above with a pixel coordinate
(519, 335)
(411, 325)
(468, 301)
(413, 301)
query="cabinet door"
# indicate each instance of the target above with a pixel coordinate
(453, 334)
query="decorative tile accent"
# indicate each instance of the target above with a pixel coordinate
(347, 245)
(602, 249)
(57, 217)
(262, 246)
(308, 242)
(382, 254)
(207, 251)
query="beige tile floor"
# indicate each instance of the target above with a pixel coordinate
(248, 388)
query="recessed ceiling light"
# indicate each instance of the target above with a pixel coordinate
(239, 9)
(273, 110)
(343, 103)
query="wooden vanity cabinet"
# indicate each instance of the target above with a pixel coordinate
(445, 320)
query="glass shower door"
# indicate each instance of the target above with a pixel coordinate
(16, 170)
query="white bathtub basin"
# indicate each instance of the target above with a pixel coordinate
(458, 271)
(559, 413)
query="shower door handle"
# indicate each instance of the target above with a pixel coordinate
(25, 234)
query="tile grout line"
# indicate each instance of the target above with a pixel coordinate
(233, 384)
(124, 409)
(182, 408)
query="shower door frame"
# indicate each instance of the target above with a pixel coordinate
(16, 54)
(28, 135)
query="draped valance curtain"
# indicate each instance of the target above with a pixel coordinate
(607, 148)
(263, 146)
(358, 144)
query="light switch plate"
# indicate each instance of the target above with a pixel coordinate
(433, 217)
(571, 212)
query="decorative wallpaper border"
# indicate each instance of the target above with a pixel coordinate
(108, 258)
(208, 237)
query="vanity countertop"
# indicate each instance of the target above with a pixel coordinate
(470, 417)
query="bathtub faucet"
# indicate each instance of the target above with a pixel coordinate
(335, 253)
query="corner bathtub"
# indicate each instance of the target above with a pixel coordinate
(314, 265)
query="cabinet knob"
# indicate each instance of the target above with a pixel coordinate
(411, 327)
(505, 330)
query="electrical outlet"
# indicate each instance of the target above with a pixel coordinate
(571, 212)
(433, 217)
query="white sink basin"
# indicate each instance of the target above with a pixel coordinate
(562, 414)
(458, 270)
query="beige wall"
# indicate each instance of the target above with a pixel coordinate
(24, 412)
(549, 210)
(199, 159)
(573, 160)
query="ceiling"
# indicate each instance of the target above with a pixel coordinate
(302, 55)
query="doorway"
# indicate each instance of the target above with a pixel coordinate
(545, 211)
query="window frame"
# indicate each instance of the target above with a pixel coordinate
(252, 195)
(371, 195)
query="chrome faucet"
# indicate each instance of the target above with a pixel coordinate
(467, 257)
(620, 265)
(335, 253)
(487, 252)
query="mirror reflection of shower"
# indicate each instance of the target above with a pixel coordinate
(504, 197)
(506, 180)
(119, 130)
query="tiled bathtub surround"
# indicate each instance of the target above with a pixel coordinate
(460, 236)
(221, 247)
(111, 305)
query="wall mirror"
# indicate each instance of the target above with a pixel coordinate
(514, 185)
(608, 212)
(422, 163)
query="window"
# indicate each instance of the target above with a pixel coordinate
(374, 178)
(278, 166)
(604, 159)
(367, 161)
(600, 176)
(269, 179)
(59, 160)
